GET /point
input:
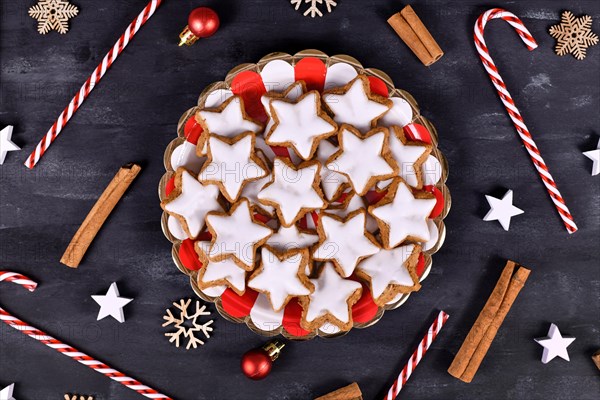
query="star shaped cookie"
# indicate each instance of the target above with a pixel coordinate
(236, 235)
(301, 124)
(363, 159)
(190, 201)
(331, 301)
(218, 273)
(402, 215)
(232, 163)
(228, 120)
(287, 238)
(344, 241)
(409, 155)
(333, 183)
(391, 272)
(294, 191)
(281, 276)
(354, 104)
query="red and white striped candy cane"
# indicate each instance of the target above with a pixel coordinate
(418, 354)
(65, 349)
(512, 110)
(91, 82)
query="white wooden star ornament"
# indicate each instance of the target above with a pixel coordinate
(112, 304)
(6, 144)
(502, 210)
(555, 345)
(593, 155)
(7, 392)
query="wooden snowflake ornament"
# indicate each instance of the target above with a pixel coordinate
(573, 35)
(53, 15)
(77, 397)
(184, 320)
(314, 8)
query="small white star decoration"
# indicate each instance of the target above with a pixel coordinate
(6, 144)
(593, 155)
(111, 304)
(7, 392)
(502, 210)
(555, 345)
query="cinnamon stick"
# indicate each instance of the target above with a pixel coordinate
(350, 392)
(596, 359)
(413, 32)
(98, 214)
(484, 330)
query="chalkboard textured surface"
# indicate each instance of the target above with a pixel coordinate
(132, 116)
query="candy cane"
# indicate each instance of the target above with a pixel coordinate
(418, 354)
(91, 82)
(512, 110)
(65, 349)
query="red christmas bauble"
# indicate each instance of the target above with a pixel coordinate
(203, 22)
(256, 364)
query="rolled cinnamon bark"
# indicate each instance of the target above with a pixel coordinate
(484, 330)
(98, 214)
(350, 392)
(413, 32)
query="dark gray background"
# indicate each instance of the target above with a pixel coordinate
(132, 116)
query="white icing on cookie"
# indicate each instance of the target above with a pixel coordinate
(292, 191)
(292, 93)
(231, 165)
(399, 115)
(230, 121)
(331, 295)
(291, 238)
(252, 189)
(339, 74)
(355, 203)
(217, 97)
(279, 278)
(354, 107)
(331, 181)
(225, 269)
(185, 156)
(406, 156)
(361, 160)
(344, 242)
(388, 267)
(194, 201)
(299, 124)
(236, 235)
(405, 216)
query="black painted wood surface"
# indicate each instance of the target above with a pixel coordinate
(132, 115)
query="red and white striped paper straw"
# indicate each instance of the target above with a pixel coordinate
(65, 349)
(418, 354)
(91, 82)
(512, 110)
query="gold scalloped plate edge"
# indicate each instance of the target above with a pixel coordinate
(394, 92)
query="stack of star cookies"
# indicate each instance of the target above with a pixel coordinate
(323, 200)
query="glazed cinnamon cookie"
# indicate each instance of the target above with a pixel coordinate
(190, 201)
(354, 104)
(232, 163)
(332, 182)
(391, 272)
(219, 273)
(281, 276)
(300, 124)
(331, 302)
(227, 120)
(364, 159)
(402, 215)
(292, 93)
(294, 191)
(345, 242)
(409, 155)
(292, 238)
(236, 235)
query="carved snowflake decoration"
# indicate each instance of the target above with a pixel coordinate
(573, 35)
(185, 316)
(53, 14)
(315, 5)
